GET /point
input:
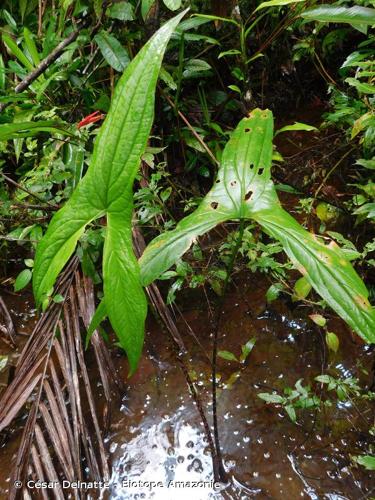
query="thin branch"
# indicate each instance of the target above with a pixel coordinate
(11, 181)
(47, 61)
(191, 128)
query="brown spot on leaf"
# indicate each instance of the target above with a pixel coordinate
(362, 302)
(214, 205)
(248, 195)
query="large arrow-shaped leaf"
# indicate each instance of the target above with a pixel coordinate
(244, 190)
(240, 180)
(106, 189)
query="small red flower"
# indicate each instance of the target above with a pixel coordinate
(94, 117)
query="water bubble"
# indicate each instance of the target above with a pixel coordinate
(196, 466)
(190, 444)
(180, 459)
(113, 447)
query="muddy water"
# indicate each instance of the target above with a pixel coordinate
(157, 435)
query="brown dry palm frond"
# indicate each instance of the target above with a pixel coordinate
(63, 435)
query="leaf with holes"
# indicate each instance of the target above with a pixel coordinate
(244, 190)
(107, 189)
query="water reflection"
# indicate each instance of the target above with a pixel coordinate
(163, 465)
(265, 454)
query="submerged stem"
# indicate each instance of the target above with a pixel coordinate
(219, 470)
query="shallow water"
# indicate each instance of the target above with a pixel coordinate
(157, 435)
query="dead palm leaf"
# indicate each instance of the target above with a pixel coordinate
(63, 436)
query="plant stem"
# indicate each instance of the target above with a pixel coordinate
(46, 63)
(220, 467)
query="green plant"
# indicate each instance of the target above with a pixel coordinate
(107, 189)
(245, 28)
(244, 190)
(299, 397)
(345, 388)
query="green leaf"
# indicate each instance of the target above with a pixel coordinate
(112, 50)
(247, 348)
(318, 319)
(332, 341)
(364, 88)
(231, 52)
(235, 192)
(22, 6)
(98, 7)
(296, 126)
(58, 299)
(235, 88)
(368, 461)
(123, 11)
(291, 413)
(99, 316)
(273, 292)
(29, 129)
(326, 269)
(125, 300)
(276, 3)
(195, 67)
(332, 14)
(107, 189)
(229, 356)
(324, 379)
(172, 4)
(30, 44)
(23, 279)
(301, 289)
(271, 398)
(168, 79)
(244, 190)
(21, 116)
(370, 164)
(217, 18)
(17, 52)
(145, 8)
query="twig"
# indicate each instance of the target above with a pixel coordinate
(11, 181)
(221, 471)
(8, 326)
(32, 207)
(50, 59)
(188, 124)
(331, 171)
